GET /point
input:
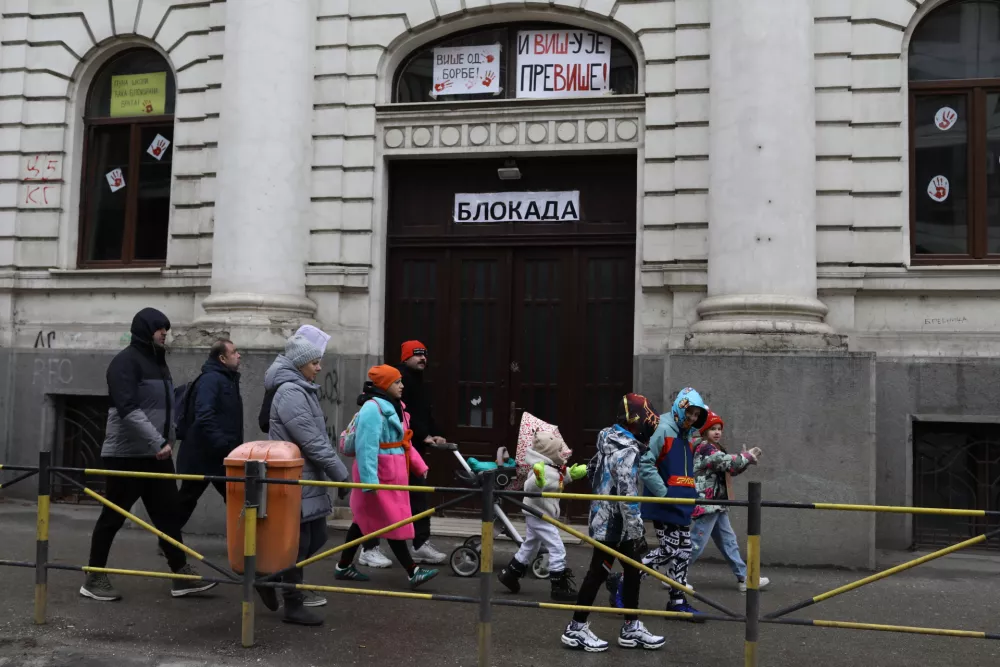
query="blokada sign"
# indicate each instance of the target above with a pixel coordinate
(562, 63)
(517, 207)
(139, 94)
(466, 70)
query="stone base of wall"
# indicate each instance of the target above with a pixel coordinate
(813, 415)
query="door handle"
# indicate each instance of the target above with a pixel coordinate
(513, 413)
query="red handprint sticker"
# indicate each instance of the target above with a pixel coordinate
(489, 78)
(939, 188)
(438, 87)
(147, 106)
(158, 147)
(945, 118)
(116, 179)
(490, 57)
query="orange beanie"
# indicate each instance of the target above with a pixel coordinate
(383, 376)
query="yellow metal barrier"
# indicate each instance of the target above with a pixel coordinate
(255, 482)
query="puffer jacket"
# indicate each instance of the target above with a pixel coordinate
(296, 417)
(615, 471)
(711, 465)
(140, 419)
(218, 421)
(671, 451)
(556, 478)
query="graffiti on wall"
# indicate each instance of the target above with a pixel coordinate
(329, 400)
(41, 177)
(52, 372)
(45, 339)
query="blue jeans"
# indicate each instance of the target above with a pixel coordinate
(717, 526)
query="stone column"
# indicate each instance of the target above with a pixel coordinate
(259, 244)
(762, 196)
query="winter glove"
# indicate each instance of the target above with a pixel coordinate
(539, 469)
(342, 492)
(579, 471)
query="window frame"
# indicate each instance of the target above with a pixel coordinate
(975, 91)
(509, 57)
(88, 167)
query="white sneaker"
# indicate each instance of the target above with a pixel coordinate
(580, 636)
(427, 555)
(764, 581)
(635, 634)
(374, 558)
(668, 587)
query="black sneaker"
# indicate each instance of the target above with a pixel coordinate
(563, 586)
(98, 587)
(184, 587)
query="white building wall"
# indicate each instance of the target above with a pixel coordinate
(49, 54)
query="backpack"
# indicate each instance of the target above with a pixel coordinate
(183, 413)
(264, 416)
(345, 444)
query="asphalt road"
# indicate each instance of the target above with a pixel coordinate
(149, 628)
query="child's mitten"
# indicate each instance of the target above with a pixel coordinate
(539, 469)
(579, 471)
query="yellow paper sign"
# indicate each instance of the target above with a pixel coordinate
(139, 94)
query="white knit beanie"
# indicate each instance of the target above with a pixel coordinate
(300, 351)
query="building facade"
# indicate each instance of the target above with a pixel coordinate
(787, 204)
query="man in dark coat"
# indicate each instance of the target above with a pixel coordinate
(217, 424)
(139, 438)
(418, 403)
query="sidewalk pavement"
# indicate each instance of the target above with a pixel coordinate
(151, 629)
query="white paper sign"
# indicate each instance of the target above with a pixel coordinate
(158, 147)
(517, 207)
(562, 63)
(939, 188)
(116, 179)
(466, 70)
(945, 118)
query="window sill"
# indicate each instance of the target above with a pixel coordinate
(143, 271)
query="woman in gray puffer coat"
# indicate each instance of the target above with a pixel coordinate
(296, 417)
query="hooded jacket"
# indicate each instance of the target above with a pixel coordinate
(217, 428)
(556, 478)
(671, 452)
(296, 417)
(616, 472)
(140, 419)
(418, 403)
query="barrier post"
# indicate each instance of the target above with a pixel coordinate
(42, 537)
(753, 577)
(486, 572)
(252, 471)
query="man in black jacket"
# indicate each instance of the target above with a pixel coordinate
(419, 405)
(217, 424)
(139, 439)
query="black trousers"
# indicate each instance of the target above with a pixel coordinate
(189, 495)
(312, 537)
(421, 528)
(600, 565)
(160, 498)
(398, 547)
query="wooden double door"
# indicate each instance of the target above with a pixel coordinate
(509, 330)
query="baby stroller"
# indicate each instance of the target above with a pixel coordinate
(465, 559)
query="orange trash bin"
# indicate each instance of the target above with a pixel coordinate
(278, 532)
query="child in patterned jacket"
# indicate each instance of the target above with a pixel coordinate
(714, 469)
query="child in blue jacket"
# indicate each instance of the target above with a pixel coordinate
(671, 453)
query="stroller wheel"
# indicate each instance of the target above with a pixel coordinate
(465, 561)
(474, 542)
(540, 566)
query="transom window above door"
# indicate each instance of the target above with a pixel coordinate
(954, 72)
(127, 162)
(525, 61)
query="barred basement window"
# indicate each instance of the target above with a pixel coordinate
(127, 158)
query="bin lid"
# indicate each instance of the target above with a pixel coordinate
(277, 454)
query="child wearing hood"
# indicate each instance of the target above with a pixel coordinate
(671, 456)
(714, 467)
(547, 457)
(615, 471)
